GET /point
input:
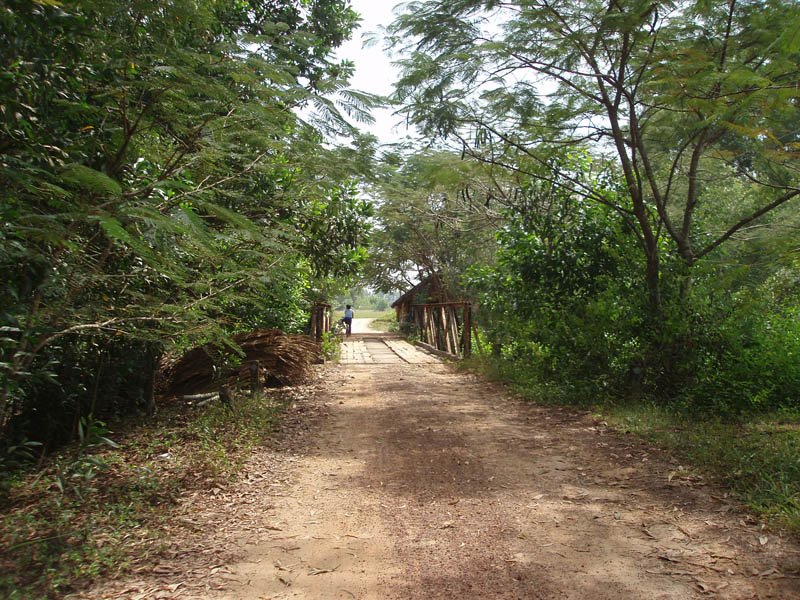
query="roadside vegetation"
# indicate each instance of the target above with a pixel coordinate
(367, 305)
(615, 189)
(757, 457)
(365, 301)
(386, 321)
(160, 192)
(94, 509)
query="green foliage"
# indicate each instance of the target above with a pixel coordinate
(78, 375)
(744, 352)
(437, 214)
(337, 222)
(558, 303)
(563, 308)
(14, 459)
(364, 300)
(75, 477)
(159, 190)
(682, 99)
(331, 342)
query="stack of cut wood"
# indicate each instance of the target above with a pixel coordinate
(282, 358)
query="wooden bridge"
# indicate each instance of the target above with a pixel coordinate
(381, 349)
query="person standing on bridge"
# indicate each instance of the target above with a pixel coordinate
(348, 320)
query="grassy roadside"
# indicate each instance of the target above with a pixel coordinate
(387, 321)
(94, 507)
(757, 458)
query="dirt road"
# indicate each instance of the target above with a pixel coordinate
(362, 325)
(403, 479)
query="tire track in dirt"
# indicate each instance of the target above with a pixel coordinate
(451, 489)
(399, 479)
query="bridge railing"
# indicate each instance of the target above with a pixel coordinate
(320, 320)
(445, 326)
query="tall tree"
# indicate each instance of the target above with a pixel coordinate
(436, 214)
(677, 95)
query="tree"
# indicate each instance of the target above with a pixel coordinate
(157, 184)
(556, 302)
(676, 95)
(436, 215)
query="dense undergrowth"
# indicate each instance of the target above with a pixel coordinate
(92, 507)
(755, 455)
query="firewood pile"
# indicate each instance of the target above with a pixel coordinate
(283, 359)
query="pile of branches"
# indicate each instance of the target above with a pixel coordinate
(283, 360)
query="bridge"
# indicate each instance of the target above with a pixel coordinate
(381, 349)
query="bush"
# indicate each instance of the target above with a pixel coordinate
(573, 316)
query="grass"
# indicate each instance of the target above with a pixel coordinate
(388, 323)
(90, 513)
(757, 458)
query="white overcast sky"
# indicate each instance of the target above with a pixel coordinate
(374, 71)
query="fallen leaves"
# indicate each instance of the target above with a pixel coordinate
(158, 592)
(315, 571)
(636, 529)
(164, 569)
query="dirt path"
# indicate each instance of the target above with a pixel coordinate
(362, 325)
(403, 479)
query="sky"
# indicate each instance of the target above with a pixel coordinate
(374, 71)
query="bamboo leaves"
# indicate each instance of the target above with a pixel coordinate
(156, 180)
(90, 181)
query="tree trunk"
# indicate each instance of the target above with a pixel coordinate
(653, 282)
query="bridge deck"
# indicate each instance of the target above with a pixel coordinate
(382, 349)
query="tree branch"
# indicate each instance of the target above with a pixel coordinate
(747, 220)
